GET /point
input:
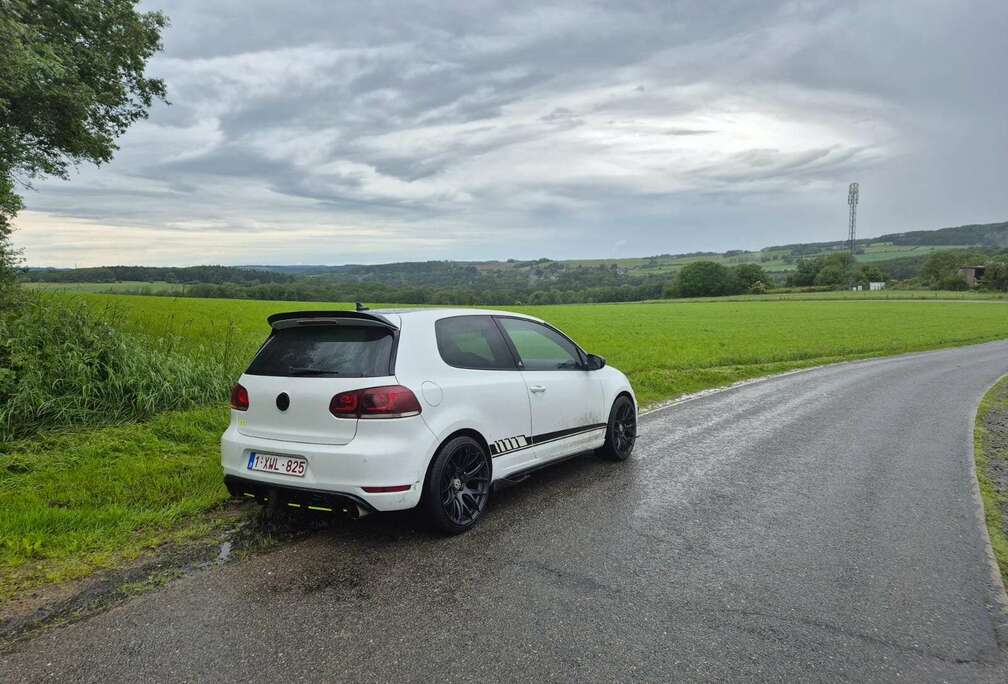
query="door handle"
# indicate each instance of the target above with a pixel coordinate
(537, 389)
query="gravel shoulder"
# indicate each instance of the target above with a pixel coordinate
(991, 442)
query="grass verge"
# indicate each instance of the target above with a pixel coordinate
(991, 445)
(75, 502)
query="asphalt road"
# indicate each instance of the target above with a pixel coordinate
(816, 526)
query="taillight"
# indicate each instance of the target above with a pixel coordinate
(392, 401)
(239, 398)
(345, 405)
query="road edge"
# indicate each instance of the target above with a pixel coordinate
(692, 396)
(999, 593)
(682, 399)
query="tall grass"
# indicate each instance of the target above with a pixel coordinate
(65, 363)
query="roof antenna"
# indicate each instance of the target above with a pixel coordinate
(360, 306)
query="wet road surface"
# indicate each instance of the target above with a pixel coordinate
(816, 526)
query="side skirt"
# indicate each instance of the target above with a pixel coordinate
(526, 473)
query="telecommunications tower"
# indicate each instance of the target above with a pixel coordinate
(852, 199)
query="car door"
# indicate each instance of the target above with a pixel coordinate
(566, 399)
(486, 388)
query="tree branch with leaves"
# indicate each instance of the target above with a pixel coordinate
(72, 80)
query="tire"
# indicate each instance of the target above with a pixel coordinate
(621, 432)
(458, 486)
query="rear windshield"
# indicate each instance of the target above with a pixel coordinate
(326, 351)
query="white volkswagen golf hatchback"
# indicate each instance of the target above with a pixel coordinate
(388, 410)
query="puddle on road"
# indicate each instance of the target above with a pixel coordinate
(225, 552)
(247, 532)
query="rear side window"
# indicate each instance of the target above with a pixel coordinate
(326, 351)
(472, 342)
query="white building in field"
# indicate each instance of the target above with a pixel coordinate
(876, 286)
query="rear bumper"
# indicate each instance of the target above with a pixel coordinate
(392, 453)
(302, 496)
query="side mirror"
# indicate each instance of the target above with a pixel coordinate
(594, 362)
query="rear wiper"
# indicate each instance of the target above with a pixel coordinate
(311, 371)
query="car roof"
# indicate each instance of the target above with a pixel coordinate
(390, 318)
(436, 313)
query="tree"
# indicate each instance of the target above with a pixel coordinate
(71, 82)
(831, 274)
(670, 290)
(828, 269)
(750, 274)
(941, 270)
(996, 275)
(869, 273)
(804, 274)
(952, 281)
(706, 279)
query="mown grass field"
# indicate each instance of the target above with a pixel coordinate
(121, 286)
(774, 260)
(882, 251)
(851, 296)
(666, 348)
(77, 501)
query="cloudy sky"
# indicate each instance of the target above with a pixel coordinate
(324, 132)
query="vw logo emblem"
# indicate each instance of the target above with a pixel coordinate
(283, 401)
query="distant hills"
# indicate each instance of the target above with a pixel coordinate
(989, 235)
(774, 259)
(899, 254)
(994, 235)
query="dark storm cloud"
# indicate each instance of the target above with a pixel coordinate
(320, 131)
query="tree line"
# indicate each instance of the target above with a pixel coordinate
(941, 269)
(834, 270)
(152, 274)
(542, 281)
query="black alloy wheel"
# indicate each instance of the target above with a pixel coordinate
(458, 485)
(621, 432)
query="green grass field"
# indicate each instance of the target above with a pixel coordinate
(883, 251)
(121, 286)
(86, 499)
(865, 295)
(666, 348)
(774, 261)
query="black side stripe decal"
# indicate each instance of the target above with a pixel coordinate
(511, 444)
(560, 434)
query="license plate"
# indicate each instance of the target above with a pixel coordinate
(281, 465)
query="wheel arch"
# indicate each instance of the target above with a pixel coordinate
(467, 432)
(615, 397)
(621, 393)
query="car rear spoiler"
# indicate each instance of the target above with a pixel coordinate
(293, 319)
